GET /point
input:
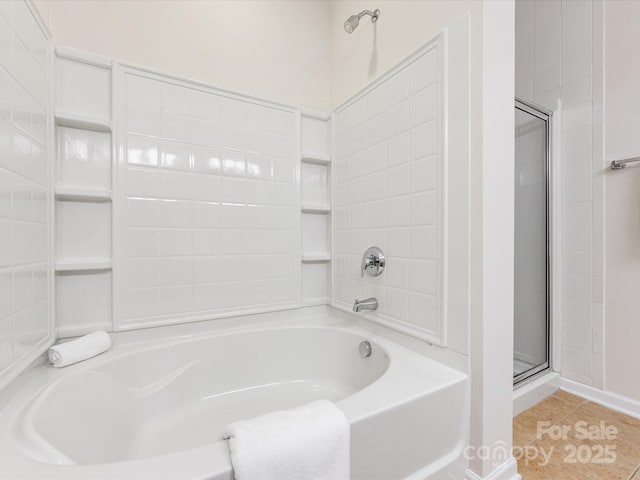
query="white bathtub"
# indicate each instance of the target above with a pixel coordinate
(155, 405)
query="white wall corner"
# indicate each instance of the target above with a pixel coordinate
(492, 326)
(506, 471)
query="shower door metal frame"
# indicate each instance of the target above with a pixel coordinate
(546, 116)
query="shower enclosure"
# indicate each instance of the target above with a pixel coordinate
(532, 241)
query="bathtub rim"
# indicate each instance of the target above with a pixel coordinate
(40, 377)
(22, 423)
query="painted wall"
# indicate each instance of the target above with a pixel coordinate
(25, 215)
(622, 226)
(373, 49)
(286, 57)
(559, 49)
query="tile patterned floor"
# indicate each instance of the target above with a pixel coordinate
(566, 437)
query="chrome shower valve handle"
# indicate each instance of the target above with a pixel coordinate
(373, 262)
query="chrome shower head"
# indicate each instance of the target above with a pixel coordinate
(352, 22)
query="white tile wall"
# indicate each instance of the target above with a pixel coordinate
(389, 193)
(211, 204)
(559, 45)
(25, 319)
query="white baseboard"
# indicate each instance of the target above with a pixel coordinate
(527, 395)
(507, 471)
(611, 400)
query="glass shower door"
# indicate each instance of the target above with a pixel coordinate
(532, 266)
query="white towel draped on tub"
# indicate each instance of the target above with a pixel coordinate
(310, 442)
(80, 349)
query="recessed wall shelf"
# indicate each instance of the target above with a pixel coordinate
(84, 182)
(316, 158)
(315, 208)
(83, 194)
(85, 264)
(66, 119)
(316, 257)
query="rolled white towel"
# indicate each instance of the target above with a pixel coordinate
(80, 349)
(310, 442)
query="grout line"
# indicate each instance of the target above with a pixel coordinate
(557, 423)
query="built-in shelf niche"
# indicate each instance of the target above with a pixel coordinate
(83, 302)
(315, 184)
(315, 285)
(315, 233)
(315, 208)
(83, 193)
(83, 230)
(83, 87)
(84, 160)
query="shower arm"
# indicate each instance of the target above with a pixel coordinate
(374, 15)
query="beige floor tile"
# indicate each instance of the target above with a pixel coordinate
(548, 472)
(557, 406)
(569, 455)
(541, 460)
(556, 459)
(551, 410)
(624, 443)
(524, 429)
